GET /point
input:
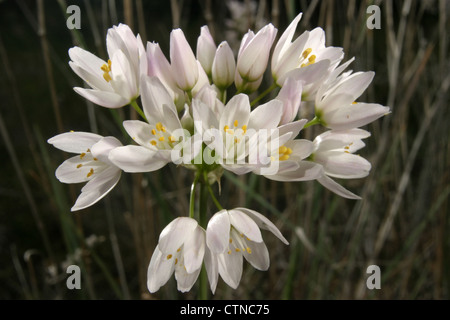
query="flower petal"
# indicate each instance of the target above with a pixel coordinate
(194, 250)
(258, 255)
(244, 224)
(74, 142)
(159, 270)
(218, 232)
(175, 234)
(103, 98)
(335, 187)
(136, 159)
(230, 268)
(266, 116)
(102, 148)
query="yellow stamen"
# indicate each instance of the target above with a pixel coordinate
(229, 251)
(79, 166)
(284, 157)
(95, 159)
(169, 256)
(226, 128)
(82, 155)
(236, 123)
(176, 260)
(179, 249)
(312, 59)
(107, 77)
(306, 53)
(153, 131)
(161, 139)
(153, 142)
(90, 173)
(282, 149)
(244, 128)
(172, 139)
(249, 250)
(159, 126)
(237, 250)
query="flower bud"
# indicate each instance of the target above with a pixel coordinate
(206, 49)
(254, 53)
(223, 67)
(183, 61)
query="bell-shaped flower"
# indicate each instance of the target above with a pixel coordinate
(183, 63)
(336, 107)
(180, 250)
(114, 83)
(223, 66)
(232, 235)
(206, 50)
(254, 53)
(91, 165)
(156, 138)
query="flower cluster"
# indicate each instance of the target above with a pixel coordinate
(202, 111)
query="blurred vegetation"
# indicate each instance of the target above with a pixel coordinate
(402, 224)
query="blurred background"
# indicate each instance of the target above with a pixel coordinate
(402, 224)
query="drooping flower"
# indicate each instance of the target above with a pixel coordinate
(114, 83)
(232, 235)
(180, 250)
(156, 138)
(91, 165)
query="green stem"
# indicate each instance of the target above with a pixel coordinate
(203, 281)
(192, 197)
(138, 109)
(262, 95)
(314, 121)
(214, 199)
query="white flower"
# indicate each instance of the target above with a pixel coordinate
(156, 138)
(336, 106)
(206, 49)
(114, 83)
(232, 235)
(306, 59)
(159, 66)
(223, 66)
(183, 63)
(254, 53)
(234, 133)
(180, 249)
(290, 94)
(91, 165)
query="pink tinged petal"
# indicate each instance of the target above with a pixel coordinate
(245, 225)
(266, 116)
(291, 96)
(175, 234)
(224, 66)
(159, 270)
(194, 250)
(97, 188)
(183, 61)
(136, 159)
(354, 115)
(154, 95)
(293, 127)
(355, 84)
(185, 280)
(102, 98)
(212, 269)
(218, 232)
(346, 136)
(202, 80)
(238, 108)
(74, 142)
(87, 61)
(101, 149)
(343, 165)
(252, 60)
(259, 256)
(335, 187)
(206, 49)
(263, 223)
(204, 117)
(230, 268)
